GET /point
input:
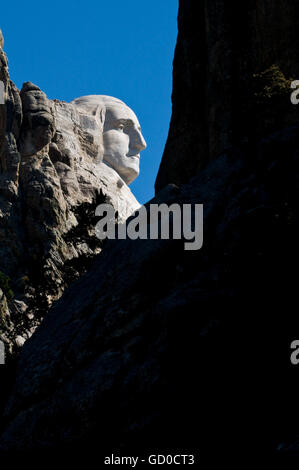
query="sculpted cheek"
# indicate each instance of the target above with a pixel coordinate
(116, 142)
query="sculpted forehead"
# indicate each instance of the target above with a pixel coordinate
(113, 105)
(116, 110)
(95, 100)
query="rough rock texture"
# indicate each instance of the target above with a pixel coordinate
(155, 341)
(51, 179)
(231, 80)
(156, 349)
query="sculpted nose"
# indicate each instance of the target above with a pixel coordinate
(138, 141)
(142, 143)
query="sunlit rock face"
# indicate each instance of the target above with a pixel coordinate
(52, 177)
(122, 137)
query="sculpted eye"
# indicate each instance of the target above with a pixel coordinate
(120, 127)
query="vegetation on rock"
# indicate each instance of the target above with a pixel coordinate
(5, 285)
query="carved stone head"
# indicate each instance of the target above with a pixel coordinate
(122, 137)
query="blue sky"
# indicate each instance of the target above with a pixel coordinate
(119, 48)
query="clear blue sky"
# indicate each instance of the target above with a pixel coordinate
(119, 48)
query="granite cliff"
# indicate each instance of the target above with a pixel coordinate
(51, 180)
(157, 348)
(231, 80)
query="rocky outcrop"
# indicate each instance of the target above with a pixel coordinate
(51, 180)
(38, 125)
(155, 341)
(156, 348)
(232, 70)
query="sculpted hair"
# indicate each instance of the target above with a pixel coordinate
(96, 100)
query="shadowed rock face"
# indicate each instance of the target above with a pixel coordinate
(231, 80)
(52, 178)
(154, 341)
